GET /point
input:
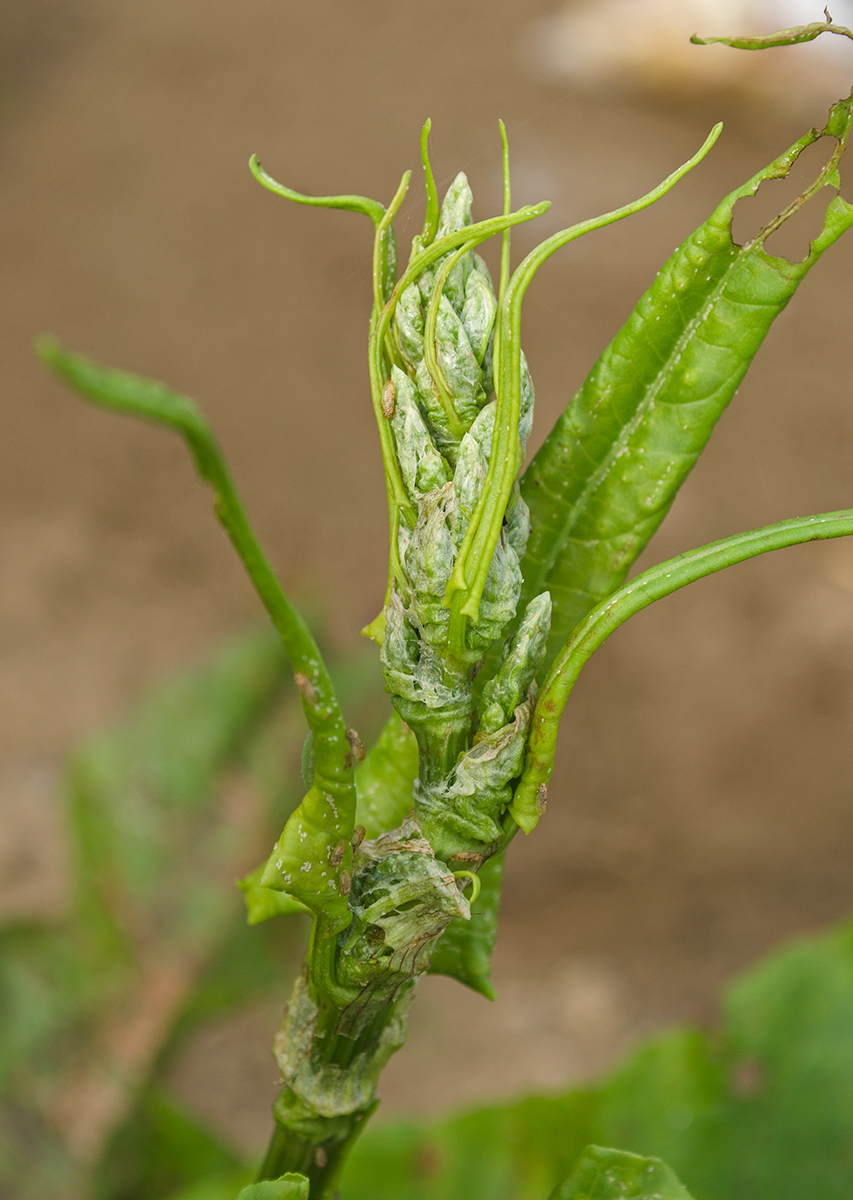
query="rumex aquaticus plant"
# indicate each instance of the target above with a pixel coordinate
(501, 584)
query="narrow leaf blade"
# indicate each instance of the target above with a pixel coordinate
(609, 471)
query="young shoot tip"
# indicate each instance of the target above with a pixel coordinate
(47, 348)
(783, 37)
(432, 207)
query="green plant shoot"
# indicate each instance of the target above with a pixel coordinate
(501, 583)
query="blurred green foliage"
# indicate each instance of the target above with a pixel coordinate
(762, 1108)
(155, 943)
(165, 812)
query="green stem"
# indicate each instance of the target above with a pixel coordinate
(335, 1041)
(320, 1159)
(139, 397)
(442, 735)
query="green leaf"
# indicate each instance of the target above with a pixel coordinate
(503, 1152)
(221, 1186)
(431, 219)
(312, 860)
(156, 848)
(262, 903)
(144, 803)
(464, 950)
(617, 1175)
(40, 989)
(475, 554)
(153, 401)
(762, 1108)
(159, 1150)
(286, 1187)
(385, 254)
(590, 633)
(385, 779)
(371, 208)
(607, 474)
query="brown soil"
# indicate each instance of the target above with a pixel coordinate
(701, 811)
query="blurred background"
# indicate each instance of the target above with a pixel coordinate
(701, 810)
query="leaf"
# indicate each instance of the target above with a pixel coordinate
(464, 950)
(40, 985)
(762, 1108)
(617, 1175)
(149, 840)
(385, 779)
(160, 1150)
(371, 208)
(590, 633)
(503, 1152)
(286, 1187)
(159, 829)
(262, 903)
(385, 256)
(221, 1186)
(608, 472)
(481, 537)
(145, 398)
(312, 860)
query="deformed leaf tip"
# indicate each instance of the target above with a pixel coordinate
(47, 348)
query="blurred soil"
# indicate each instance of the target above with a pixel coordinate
(702, 807)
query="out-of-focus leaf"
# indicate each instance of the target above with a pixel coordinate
(39, 983)
(160, 1150)
(216, 1187)
(146, 802)
(608, 472)
(763, 1109)
(605, 1174)
(157, 942)
(250, 963)
(42, 982)
(161, 826)
(286, 1187)
(513, 1152)
(767, 1112)
(464, 950)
